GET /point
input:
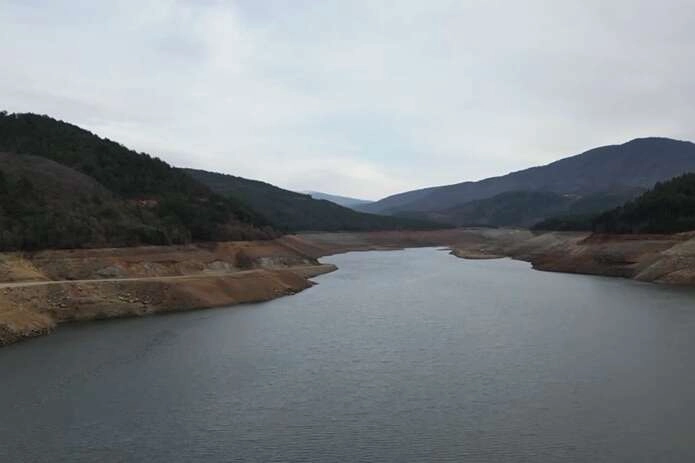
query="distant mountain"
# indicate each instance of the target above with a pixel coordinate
(525, 208)
(633, 166)
(64, 187)
(292, 211)
(340, 200)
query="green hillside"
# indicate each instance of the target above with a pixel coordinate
(290, 211)
(668, 208)
(62, 186)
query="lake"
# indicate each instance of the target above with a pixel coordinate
(398, 356)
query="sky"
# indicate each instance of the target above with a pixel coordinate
(363, 98)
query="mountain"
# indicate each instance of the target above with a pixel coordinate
(291, 211)
(525, 208)
(635, 165)
(344, 201)
(64, 187)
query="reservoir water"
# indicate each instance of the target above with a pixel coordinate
(398, 356)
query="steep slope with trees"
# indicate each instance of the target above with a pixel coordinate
(668, 208)
(63, 186)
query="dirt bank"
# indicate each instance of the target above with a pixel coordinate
(652, 258)
(38, 291)
(479, 240)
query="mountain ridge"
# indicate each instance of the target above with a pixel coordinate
(345, 201)
(291, 211)
(598, 169)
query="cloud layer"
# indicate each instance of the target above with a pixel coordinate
(358, 97)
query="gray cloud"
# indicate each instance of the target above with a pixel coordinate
(355, 97)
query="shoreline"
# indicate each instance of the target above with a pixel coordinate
(662, 259)
(39, 291)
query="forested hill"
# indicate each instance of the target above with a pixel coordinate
(291, 211)
(668, 208)
(62, 186)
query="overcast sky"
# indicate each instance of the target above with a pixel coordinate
(356, 97)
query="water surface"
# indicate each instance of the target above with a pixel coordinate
(399, 356)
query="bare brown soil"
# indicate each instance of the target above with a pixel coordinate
(39, 291)
(652, 258)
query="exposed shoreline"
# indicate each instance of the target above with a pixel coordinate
(666, 259)
(39, 291)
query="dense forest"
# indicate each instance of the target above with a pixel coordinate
(668, 208)
(291, 211)
(63, 187)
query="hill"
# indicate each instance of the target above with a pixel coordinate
(632, 166)
(45, 204)
(291, 211)
(668, 208)
(525, 208)
(344, 201)
(62, 186)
